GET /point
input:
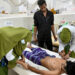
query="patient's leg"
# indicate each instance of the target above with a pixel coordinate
(34, 56)
(29, 45)
(26, 54)
(30, 56)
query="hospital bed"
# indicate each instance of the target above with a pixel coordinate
(21, 71)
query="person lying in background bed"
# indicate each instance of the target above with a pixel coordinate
(55, 66)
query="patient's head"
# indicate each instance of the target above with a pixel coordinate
(70, 68)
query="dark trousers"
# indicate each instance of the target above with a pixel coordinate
(47, 42)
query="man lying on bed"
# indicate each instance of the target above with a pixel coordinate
(55, 65)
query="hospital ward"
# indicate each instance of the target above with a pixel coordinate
(37, 37)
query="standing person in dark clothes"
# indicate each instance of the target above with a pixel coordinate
(44, 24)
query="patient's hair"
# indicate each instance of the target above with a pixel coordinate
(70, 68)
(41, 2)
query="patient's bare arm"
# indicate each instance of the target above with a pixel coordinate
(23, 58)
(22, 63)
(44, 72)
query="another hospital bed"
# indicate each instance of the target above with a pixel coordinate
(21, 71)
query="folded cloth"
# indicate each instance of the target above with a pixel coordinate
(10, 38)
(36, 55)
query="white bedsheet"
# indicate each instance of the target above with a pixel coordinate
(21, 71)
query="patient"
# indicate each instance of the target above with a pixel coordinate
(55, 66)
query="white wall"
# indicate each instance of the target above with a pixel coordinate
(7, 6)
(11, 8)
(16, 20)
(4, 6)
(70, 8)
(50, 4)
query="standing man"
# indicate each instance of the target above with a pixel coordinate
(44, 24)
